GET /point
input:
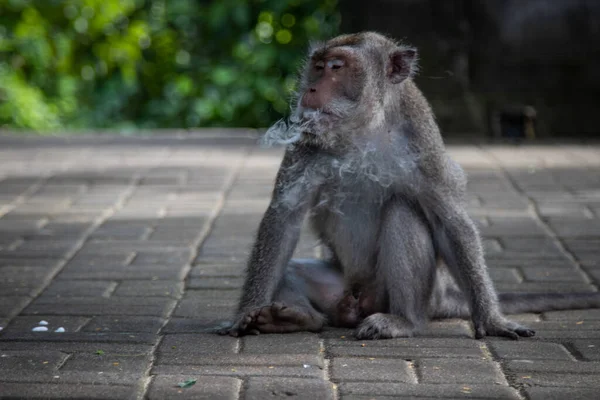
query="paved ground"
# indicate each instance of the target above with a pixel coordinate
(134, 246)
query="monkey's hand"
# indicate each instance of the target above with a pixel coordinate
(243, 324)
(500, 326)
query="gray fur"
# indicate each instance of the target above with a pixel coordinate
(383, 196)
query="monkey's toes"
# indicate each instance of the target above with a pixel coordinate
(525, 332)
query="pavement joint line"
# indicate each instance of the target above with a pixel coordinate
(535, 214)
(327, 370)
(143, 383)
(146, 379)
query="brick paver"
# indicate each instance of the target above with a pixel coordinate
(135, 246)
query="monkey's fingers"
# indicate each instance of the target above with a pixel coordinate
(513, 331)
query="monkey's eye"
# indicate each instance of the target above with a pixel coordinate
(335, 64)
(319, 65)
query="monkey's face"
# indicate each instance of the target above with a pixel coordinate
(330, 93)
(344, 92)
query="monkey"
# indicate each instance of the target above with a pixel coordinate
(366, 162)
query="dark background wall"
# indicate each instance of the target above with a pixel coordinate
(482, 57)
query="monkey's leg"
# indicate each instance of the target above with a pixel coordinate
(405, 268)
(309, 289)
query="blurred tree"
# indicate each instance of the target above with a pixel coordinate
(153, 63)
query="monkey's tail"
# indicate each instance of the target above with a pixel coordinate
(515, 303)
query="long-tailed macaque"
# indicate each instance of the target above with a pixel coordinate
(365, 158)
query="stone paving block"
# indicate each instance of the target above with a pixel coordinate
(508, 226)
(529, 350)
(22, 362)
(444, 391)
(45, 247)
(16, 223)
(12, 304)
(98, 246)
(301, 389)
(372, 369)
(202, 344)
(183, 235)
(573, 315)
(235, 360)
(119, 272)
(589, 349)
(22, 324)
(293, 343)
(583, 244)
(460, 371)
(120, 368)
(509, 275)
(528, 244)
(298, 370)
(205, 388)
(195, 325)
(558, 379)
(51, 390)
(547, 274)
(66, 288)
(157, 288)
(83, 344)
(493, 261)
(95, 337)
(151, 306)
(24, 275)
(554, 393)
(554, 366)
(24, 290)
(448, 328)
(124, 324)
(215, 283)
(127, 230)
(569, 325)
(544, 287)
(567, 335)
(581, 228)
(408, 349)
(217, 270)
(87, 260)
(170, 258)
(207, 304)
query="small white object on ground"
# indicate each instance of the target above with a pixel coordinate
(1, 328)
(306, 365)
(42, 322)
(40, 329)
(60, 330)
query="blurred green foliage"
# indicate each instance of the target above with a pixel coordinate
(153, 63)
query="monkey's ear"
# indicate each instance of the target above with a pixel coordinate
(402, 64)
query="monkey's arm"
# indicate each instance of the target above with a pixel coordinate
(276, 240)
(460, 246)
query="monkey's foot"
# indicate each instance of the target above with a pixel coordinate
(280, 318)
(383, 326)
(502, 327)
(242, 325)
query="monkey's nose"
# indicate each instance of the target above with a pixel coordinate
(312, 90)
